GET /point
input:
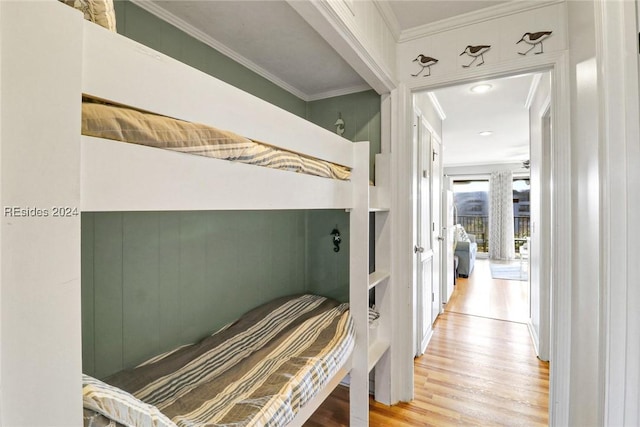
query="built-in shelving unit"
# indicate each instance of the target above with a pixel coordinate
(378, 277)
(377, 349)
(379, 197)
(380, 286)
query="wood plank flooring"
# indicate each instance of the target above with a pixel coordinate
(480, 295)
(477, 371)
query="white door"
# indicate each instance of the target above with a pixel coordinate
(436, 228)
(423, 247)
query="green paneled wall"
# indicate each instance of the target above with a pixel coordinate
(361, 114)
(145, 28)
(328, 271)
(154, 280)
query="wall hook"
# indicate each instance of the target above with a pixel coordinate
(339, 124)
(336, 239)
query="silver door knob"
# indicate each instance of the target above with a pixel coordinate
(418, 249)
(440, 238)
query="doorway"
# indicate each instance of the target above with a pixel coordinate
(496, 138)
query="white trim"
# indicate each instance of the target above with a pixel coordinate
(338, 92)
(535, 82)
(534, 336)
(617, 56)
(403, 230)
(486, 14)
(483, 163)
(558, 64)
(158, 11)
(436, 105)
(344, 36)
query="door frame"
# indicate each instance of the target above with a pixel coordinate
(557, 63)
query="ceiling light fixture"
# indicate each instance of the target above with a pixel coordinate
(481, 88)
(485, 133)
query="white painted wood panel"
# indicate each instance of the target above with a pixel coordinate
(121, 70)
(40, 264)
(117, 177)
(501, 34)
(358, 287)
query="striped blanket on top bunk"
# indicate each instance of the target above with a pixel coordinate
(137, 127)
(258, 371)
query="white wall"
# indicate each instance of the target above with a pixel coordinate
(617, 32)
(40, 256)
(500, 33)
(584, 376)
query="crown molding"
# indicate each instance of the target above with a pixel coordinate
(339, 92)
(181, 24)
(436, 105)
(482, 15)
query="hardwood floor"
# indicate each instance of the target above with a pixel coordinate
(480, 295)
(477, 371)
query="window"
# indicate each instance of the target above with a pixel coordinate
(471, 198)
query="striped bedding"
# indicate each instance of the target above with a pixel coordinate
(137, 127)
(259, 371)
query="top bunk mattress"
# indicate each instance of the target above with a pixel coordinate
(133, 126)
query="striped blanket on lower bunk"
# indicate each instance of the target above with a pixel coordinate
(258, 371)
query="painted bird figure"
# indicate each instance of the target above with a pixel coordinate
(475, 52)
(424, 62)
(534, 39)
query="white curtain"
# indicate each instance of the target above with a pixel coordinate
(501, 238)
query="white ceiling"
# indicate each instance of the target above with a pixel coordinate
(501, 110)
(273, 40)
(416, 13)
(270, 38)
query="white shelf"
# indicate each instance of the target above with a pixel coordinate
(376, 350)
(378, 277)
(378, 199)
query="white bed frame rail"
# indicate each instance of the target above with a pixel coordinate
(116, 176)
(50, 56)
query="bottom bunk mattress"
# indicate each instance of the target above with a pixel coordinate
(258, 371)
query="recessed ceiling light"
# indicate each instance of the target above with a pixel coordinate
(481, 88)
(485, 133)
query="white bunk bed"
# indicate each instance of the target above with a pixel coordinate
(104, 175)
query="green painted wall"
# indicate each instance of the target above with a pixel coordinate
(145, 28)
(154, 280)
(361, 114)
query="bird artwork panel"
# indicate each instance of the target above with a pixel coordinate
(425, 62)
(534, 39)
(475, 52)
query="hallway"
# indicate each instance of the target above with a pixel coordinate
(477, 371)
(480, 295)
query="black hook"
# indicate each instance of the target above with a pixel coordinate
(336, 239)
